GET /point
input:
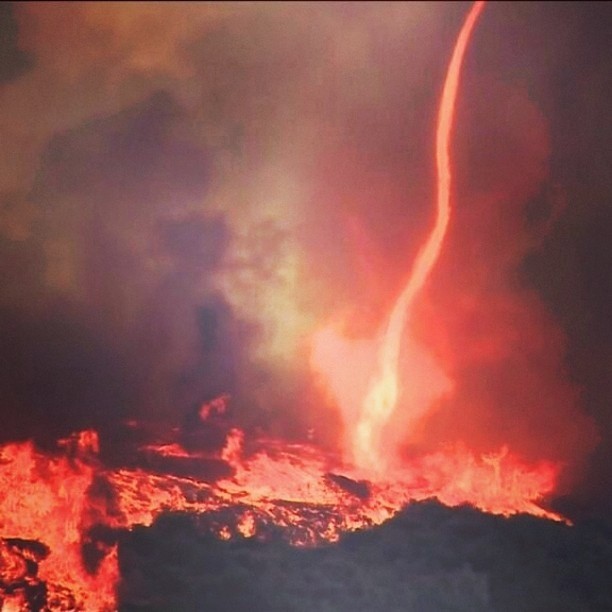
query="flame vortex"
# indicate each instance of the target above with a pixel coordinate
(381, 398)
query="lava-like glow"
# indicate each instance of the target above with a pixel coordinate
(49, 501)
(381, 395)
(52, 506)
(314, 498)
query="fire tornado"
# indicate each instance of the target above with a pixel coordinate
(381, 397)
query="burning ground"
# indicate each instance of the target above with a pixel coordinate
(209, 216)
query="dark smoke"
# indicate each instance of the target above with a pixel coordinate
(132, 327)
(15, 61)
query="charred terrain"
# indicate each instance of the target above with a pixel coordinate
(429, 558)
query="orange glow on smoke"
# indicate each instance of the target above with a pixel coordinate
(381, 394)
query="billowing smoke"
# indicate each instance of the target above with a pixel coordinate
(188, 192)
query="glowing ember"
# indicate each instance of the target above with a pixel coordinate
(216, 406)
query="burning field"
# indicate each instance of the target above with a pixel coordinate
(304, 294)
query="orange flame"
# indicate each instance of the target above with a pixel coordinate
(46, 499)
(314, 499)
